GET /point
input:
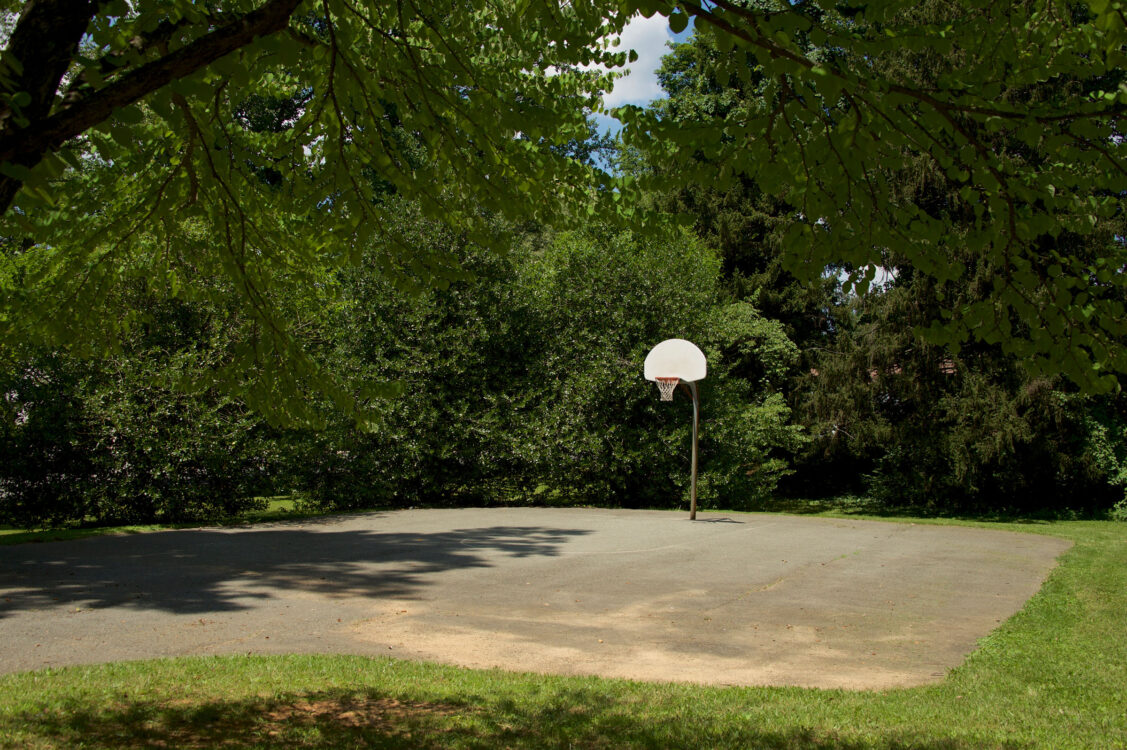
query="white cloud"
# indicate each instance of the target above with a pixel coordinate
(647, 37)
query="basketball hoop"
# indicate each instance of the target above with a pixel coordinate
(666, 386)
(673, 362)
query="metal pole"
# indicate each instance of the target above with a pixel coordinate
(696, 423)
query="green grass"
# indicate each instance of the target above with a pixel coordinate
(1053, 676)
(10, 535)
(282, 508)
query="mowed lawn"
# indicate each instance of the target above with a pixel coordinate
(1053, 676)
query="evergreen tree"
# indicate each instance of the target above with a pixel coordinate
(972, 426)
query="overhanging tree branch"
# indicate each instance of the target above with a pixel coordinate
(28, 145)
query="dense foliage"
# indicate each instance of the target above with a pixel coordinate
(1018, 107)
(124, 439)
(971, 428)
(361, 251)
(526, 385)
(522, 385)
(129, 131)
(489, 94)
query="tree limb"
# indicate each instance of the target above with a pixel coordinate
(28, 145)
(39, 53)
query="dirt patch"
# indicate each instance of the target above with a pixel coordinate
(383, 714)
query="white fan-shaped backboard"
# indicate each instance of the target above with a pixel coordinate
(675, 358)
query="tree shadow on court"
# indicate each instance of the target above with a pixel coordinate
(571, 718)
(205, 570)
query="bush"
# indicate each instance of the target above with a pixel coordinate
(526, 385)
(1107, 444)
(112, 441)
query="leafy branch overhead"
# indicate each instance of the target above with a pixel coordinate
(247, 150)
(134, 150)
(1027, 128)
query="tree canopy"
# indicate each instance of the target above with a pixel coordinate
(1027, 124)
(905, 420)
(293, 205)
(250, 149)
(134, 134)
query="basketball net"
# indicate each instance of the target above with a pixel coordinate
(666, 386)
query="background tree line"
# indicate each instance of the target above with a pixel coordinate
(523, 385)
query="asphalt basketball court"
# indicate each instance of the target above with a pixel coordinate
(746, 599)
